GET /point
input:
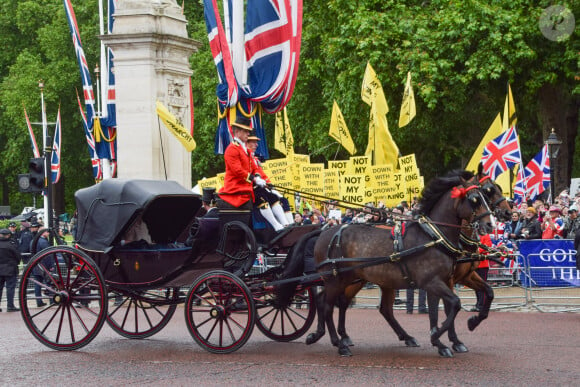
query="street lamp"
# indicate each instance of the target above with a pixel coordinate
(553, 143)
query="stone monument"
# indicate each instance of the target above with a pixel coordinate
(152, 50)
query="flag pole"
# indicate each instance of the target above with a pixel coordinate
(47, 174)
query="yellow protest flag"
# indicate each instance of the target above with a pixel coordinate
(175, 127)
(372, 90)
(283, 140)
(288, 135)
(509, 119)
(509, 111)
(494, 130)
(339, 131)
(381, 147)
(279, 143)
(408, 109)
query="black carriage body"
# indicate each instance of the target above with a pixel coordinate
(107, 210)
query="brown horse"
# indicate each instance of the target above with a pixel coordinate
(365, 253)
(465, 273)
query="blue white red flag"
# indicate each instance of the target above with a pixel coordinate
(109, 116)
(97, 172)
(55, 158)
(227, 88)
(272, 37)
(272, 43)
(537, 173)
(501, 153)
(88, 94)
(35, 151)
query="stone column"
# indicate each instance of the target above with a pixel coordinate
(152, 52)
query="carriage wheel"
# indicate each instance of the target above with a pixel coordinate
(63, 298)
(285, 322)
(219, 312)
(141, 314)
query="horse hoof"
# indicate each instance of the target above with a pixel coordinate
(445, 352)
(312, 338)
(472, 323)
(347, 341)
(344, 351)
(411, 342)
(460, 348)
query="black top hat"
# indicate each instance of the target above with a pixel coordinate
(208, 194)
(35, 224)
(243, 123)
(253, 136)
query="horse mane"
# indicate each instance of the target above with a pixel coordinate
(439, 186)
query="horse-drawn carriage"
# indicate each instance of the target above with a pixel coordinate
(140, 252)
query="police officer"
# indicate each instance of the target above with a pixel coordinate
(9, 259)
(15, 237)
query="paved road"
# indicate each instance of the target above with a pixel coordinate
(510, 348)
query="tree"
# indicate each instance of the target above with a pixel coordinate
(462, 55)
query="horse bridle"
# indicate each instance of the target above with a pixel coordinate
(488, 186)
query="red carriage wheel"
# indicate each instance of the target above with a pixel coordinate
(141, 314)
(219, 312)
(285, 321)
(63, 298)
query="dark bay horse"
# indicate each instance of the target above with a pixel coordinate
(465, 273)
(365, 253)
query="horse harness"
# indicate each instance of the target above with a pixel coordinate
(439, 240)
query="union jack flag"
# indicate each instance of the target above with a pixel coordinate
(84, 67)
(55, 157)
(97, 172)
(537, 173)
(35, 151)
(109, 116)
(227, 89)
(501, 153)
(272, 36)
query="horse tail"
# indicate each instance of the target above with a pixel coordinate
(294, 267)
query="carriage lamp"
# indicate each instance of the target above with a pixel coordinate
(553, 143)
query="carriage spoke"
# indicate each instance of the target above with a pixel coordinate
(285, 313)
(215, 324)
(274, 319)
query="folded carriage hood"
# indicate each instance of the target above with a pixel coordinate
(107, 209)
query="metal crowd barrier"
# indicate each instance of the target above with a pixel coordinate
(553, 298)
(517, 288)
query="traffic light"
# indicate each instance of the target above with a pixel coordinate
(36, 172)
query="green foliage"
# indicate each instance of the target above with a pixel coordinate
(462, 54)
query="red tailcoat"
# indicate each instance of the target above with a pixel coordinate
(239, 171)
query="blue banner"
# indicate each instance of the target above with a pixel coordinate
(549, 262)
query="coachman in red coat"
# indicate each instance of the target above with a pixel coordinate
(240, 170)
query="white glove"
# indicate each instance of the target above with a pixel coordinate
(259, 181)
(276, 193)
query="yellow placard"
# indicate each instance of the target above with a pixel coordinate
(210, 182)
(330, 183)
(352, 189)
(311, 178)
